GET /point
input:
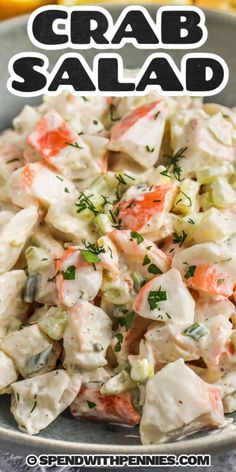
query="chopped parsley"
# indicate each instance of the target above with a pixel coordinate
(91, 405)
(91, 253)
(179, 239)
(95, 122)
(190, 272)
(121, 181)
(69, 274)
(195, 331)
(66, 190)
(85, 203)
(150, 149)
(153, 269)
(89, 256)
(127, 320)
(146, 260)
(136, 236)
(85, 99)
(155, 297)
(120, 339)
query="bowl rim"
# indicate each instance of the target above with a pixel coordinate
(213, 442)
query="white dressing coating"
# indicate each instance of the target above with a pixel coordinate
(87, 337)
(117, 263)
(37, 402)
(13, 236)
(25, 347)
(177, 399)
(12, 285)
(8, 373)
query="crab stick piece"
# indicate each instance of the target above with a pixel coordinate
(136, 213)
(139, 134)
(165, 298)
(51, 135)
(141, 252)
(77, 279)
(91, 404)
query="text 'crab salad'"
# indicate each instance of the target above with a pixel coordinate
(118, 263)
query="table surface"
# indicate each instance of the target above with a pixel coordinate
(225, 462)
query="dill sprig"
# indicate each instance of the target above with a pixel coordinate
(179, 239)
(174, 166)
(85, 203)
(93, 248)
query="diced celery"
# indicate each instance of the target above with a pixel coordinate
(214, 226)
(207, 175)
(37, 259)
(222, 193)
(54, 323)
(141, 371)
(158, 176)
(187, 225)
(118, 384)
(116, 292)
(186, 201)
(103, 224)
(206, 200)
(137, 280)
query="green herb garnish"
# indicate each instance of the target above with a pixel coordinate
(69, 273)
(85, 203)
(179, 239)
(150, 149)
(174, 164)
(91, 405)
(146, 260)
(190, 272)
(127, 321)
(153, 269)
(136, 236)
(195, 331)
(120, 339)
(155, 297)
